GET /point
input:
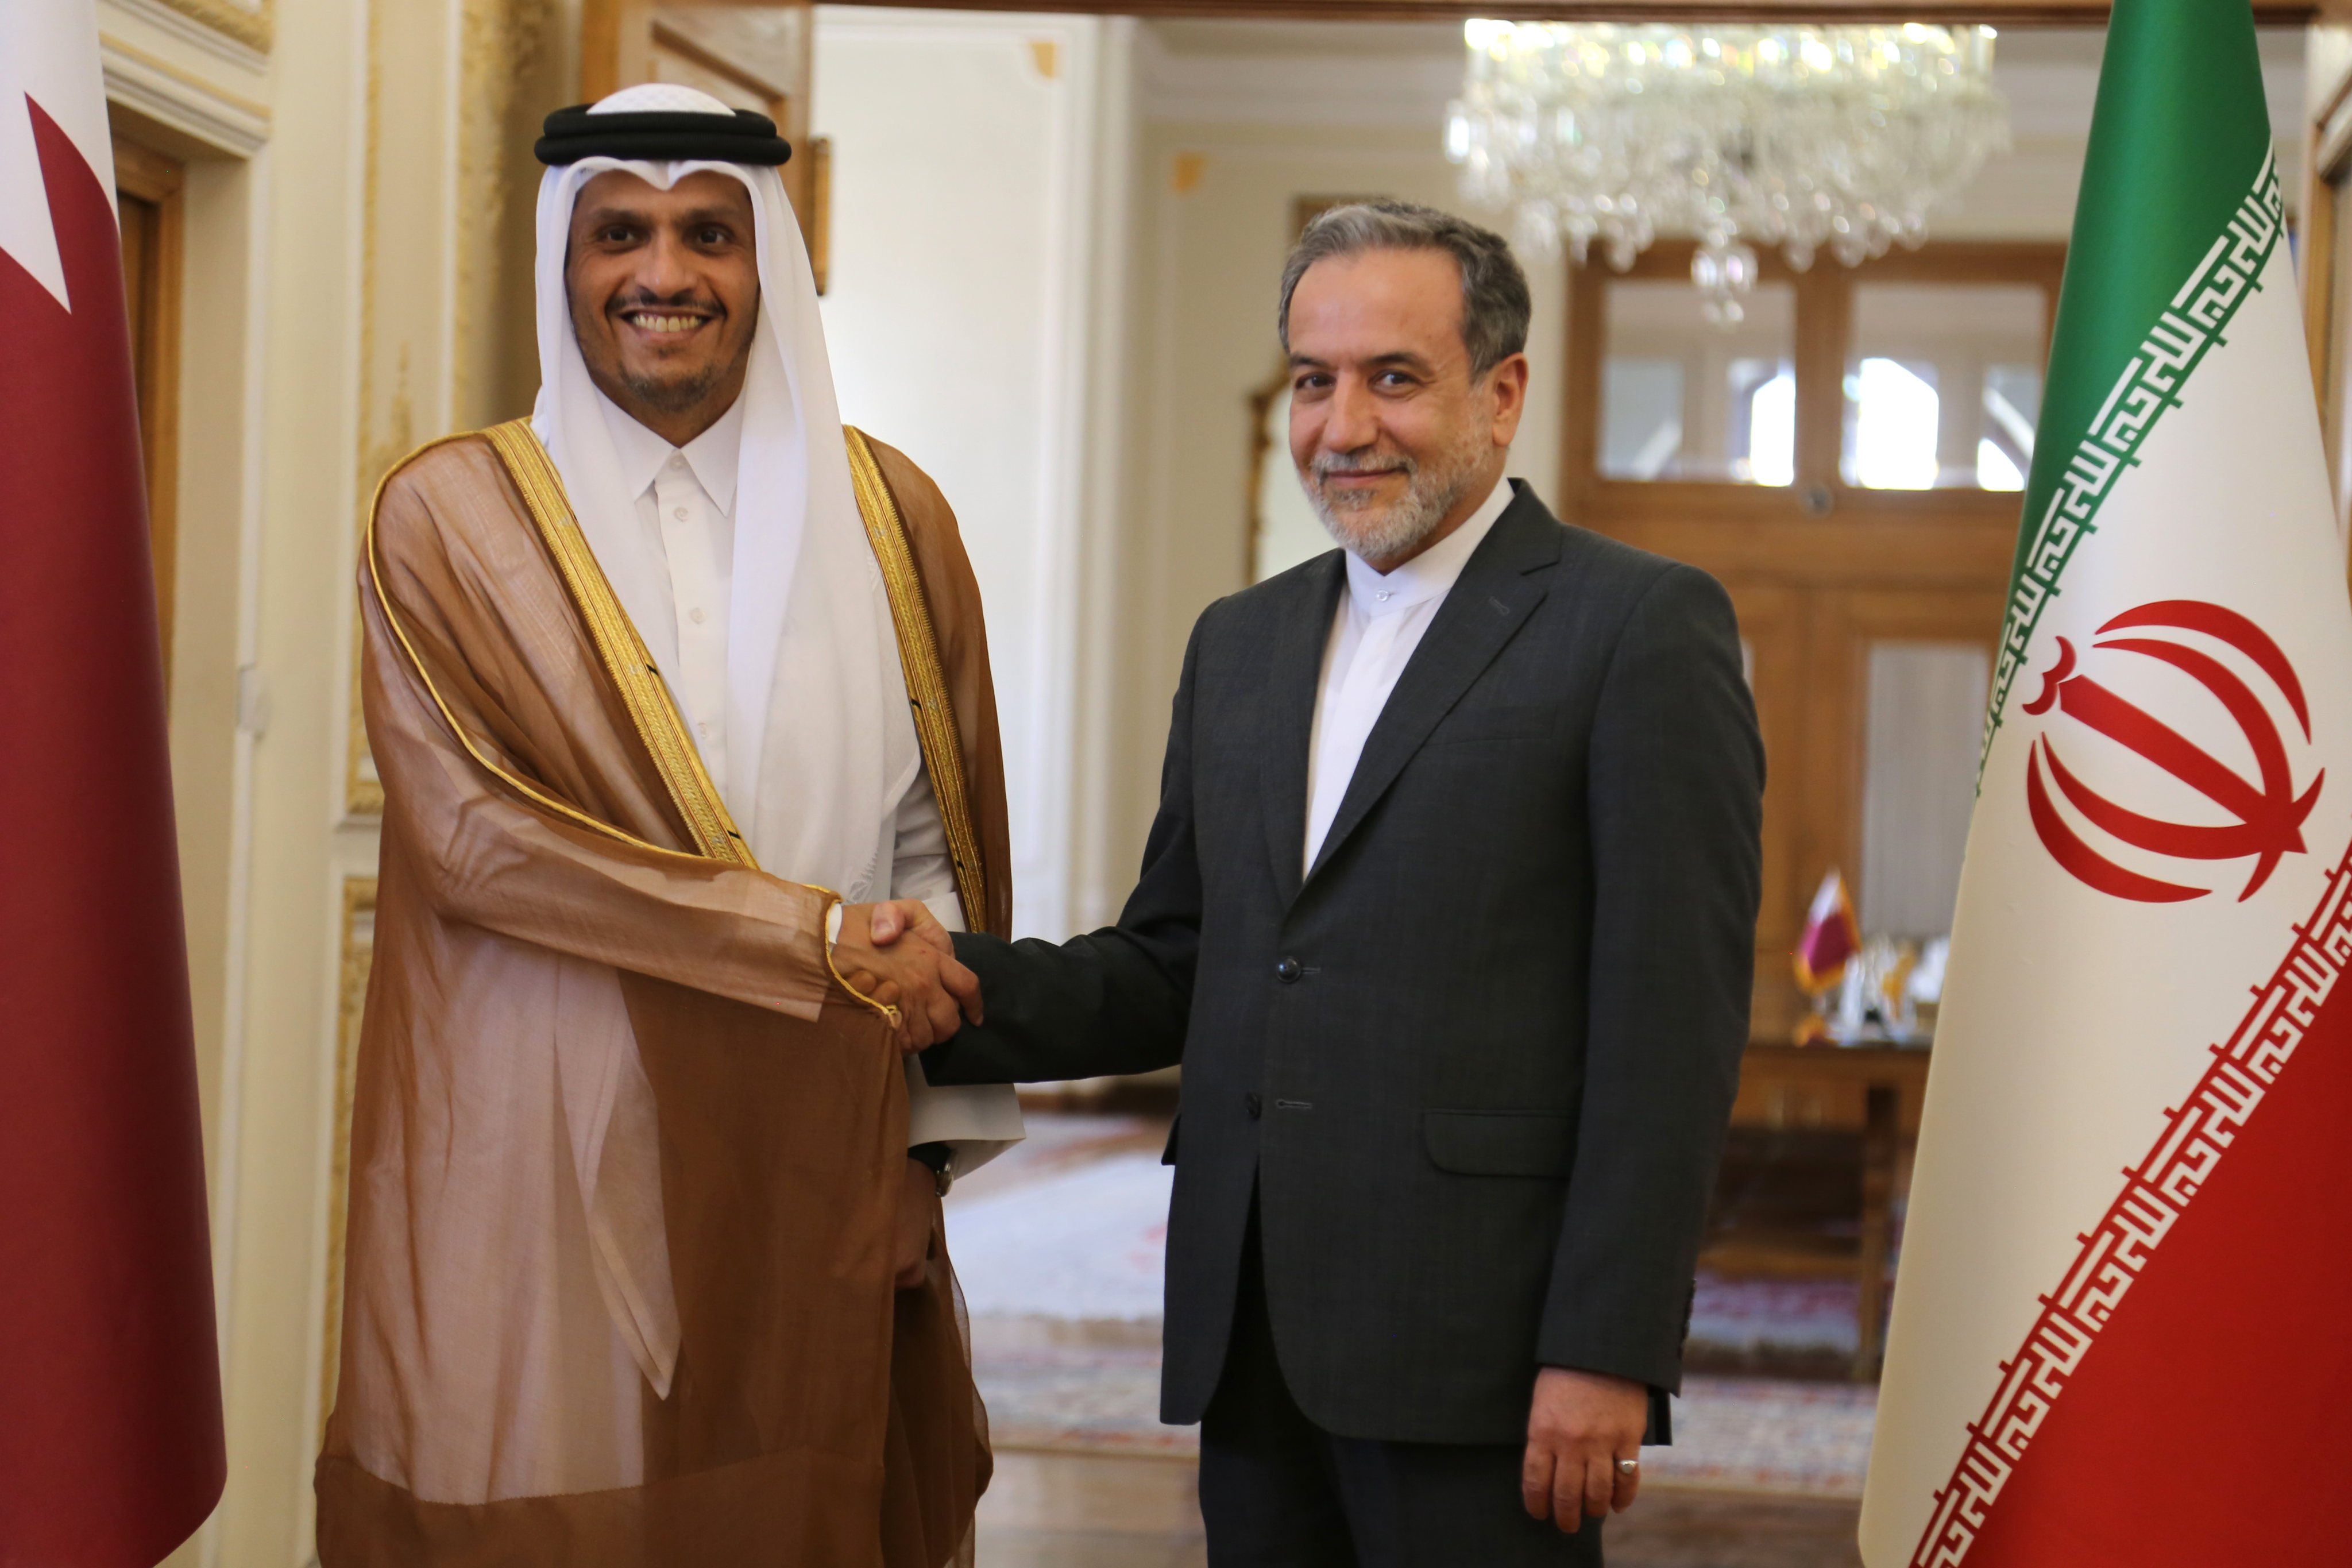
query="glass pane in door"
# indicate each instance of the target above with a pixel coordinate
(1924, 718)
(1683, 399)
(1943, 385)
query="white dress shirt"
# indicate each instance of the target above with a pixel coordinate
(686, 505)
(1381, 620)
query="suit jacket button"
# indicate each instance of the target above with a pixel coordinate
(1254, 1104)
(1288, 971)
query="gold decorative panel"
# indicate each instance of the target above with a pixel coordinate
(431, 363)
(510, 76)
(358, 957)
(388, 422)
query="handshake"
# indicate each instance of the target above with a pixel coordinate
(899, 954)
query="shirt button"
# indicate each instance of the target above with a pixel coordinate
(678, 459)
(678, 513)
(1253, 1105)
(695, 615)
(1288, 971)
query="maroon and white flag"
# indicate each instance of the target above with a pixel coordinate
(111, 1445)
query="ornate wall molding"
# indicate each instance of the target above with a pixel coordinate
(188, 104)
(363, 790)
(250, 21)
(185, 102)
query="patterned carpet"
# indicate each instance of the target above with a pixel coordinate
(1059, 1247)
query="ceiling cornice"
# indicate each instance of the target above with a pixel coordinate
(1995, 13)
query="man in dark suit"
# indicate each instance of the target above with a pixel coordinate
(1449, 915)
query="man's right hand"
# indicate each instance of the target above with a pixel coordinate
(899, 954)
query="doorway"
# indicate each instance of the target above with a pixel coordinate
(148, 188)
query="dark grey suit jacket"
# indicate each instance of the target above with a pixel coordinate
(1477, 1068)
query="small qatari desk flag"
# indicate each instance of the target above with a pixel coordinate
(110, 1446)
(2118, 1331)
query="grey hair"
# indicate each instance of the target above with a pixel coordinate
(1493, 291)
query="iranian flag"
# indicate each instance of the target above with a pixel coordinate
(110, 1390)
(2123, 1327)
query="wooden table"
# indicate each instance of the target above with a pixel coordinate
(1885, 1074)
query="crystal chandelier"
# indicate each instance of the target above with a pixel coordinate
(1803, 137)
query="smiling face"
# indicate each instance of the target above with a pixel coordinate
(664, 294)
(1396, 440)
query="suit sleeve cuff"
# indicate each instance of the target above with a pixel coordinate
(1659, 1429)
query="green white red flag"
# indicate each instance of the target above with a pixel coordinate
(2118, 1330)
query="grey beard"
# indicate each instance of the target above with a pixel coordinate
(1430, 494)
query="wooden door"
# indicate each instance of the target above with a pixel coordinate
(148, 197)
(2327, 247)
(1865, 546)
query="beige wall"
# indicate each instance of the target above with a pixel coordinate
(978, 173)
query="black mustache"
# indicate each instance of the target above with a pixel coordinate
(654, 302)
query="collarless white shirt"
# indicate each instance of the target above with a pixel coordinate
(686, 505)
(1379, 621)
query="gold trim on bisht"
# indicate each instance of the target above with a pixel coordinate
(625, 657)
(643, 691)
(488, 764)
(927, 681)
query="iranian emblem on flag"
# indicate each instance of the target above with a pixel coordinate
(2266, 814)
(2119, 1327)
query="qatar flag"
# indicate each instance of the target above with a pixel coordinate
(2119, 1328)
(111, 1447)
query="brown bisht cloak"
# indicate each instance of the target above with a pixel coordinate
(625, 1153)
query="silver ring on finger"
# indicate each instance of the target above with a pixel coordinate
(1628, 1466)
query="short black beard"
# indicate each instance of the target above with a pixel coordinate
(680, 393)
(675, 394)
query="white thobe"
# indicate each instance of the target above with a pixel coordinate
(1380, 619)
(686, 505)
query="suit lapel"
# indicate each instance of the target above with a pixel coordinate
(1499, 587)
(1293, 672)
